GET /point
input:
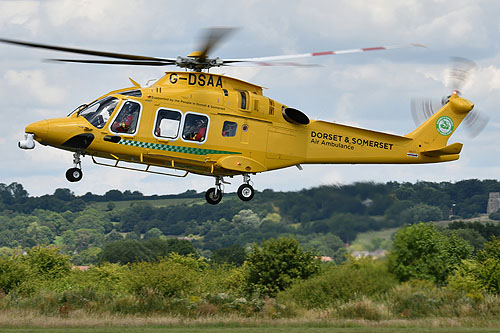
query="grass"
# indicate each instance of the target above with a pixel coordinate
(18, 321)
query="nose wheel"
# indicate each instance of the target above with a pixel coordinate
(75, 174)
(214, 194)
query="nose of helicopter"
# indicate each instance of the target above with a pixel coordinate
(39, 128)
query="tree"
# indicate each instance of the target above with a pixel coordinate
(63, 194)
(479, 274)
(153, 233)
(113, 235)
(48, 262)
(277, 264)
(124, 252)
(421, 252)
(421, 213)
(163, 247)
(246, 217)
(234, 255)
(89, 256)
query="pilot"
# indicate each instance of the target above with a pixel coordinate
(200, 130)
(128, 117)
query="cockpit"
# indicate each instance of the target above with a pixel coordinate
(99, 112)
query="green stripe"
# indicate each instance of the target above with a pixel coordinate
(176, 149)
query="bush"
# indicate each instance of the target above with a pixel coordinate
(363, 309)
(416, 299)
(277, 264)
(421, 252)
(345, 282)
(13, 272)
(480, 274)
(172, 276)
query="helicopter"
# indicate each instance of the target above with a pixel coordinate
(195, 121)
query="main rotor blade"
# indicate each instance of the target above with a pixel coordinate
(82, 51)
(117, 62)
(270, 64)
(212, 37)
(315, 54)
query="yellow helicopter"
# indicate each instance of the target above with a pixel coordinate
(213, 125)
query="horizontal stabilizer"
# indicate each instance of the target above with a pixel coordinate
(454, 148)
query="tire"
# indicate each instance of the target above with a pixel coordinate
(246, 192)
(74, 175)
(212, 197)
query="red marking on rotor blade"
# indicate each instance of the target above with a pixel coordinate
(373, 48)
(323, 53)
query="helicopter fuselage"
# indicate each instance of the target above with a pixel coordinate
(214, 125)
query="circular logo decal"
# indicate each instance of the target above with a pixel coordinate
(444, 125)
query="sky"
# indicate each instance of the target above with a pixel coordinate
(371, 90)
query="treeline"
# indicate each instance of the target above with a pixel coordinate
(323, 219)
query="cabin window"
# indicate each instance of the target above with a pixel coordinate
(244, 100)
(133, 93)
(98, 113)
(229, 129)
(195, 127)
(167, 123)
(127, 119)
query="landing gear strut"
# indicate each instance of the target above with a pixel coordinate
(246, 191)
(75, 174)
(214, 194)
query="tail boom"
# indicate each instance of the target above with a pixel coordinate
(330, 143)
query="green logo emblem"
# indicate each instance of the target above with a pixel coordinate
(444, 125)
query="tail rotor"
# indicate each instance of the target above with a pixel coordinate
(458, 76)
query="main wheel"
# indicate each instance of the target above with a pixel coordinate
(74, 174)
(213, 197)
(246, 192)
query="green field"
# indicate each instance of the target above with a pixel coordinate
(349, 326)
(312, 321)
(155, 203)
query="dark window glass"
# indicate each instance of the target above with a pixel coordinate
(229, 129)
(133, 93)
(195, 127)
(243, 100)
(127, 119)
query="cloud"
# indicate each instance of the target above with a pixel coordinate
(34, 85)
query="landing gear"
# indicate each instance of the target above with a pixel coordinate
(75, 174)
(214, 194)
(246, 191)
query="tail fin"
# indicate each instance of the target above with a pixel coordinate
(435, 131)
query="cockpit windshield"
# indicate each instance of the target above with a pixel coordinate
(98, 113)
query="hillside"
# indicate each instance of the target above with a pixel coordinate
(322, 218)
